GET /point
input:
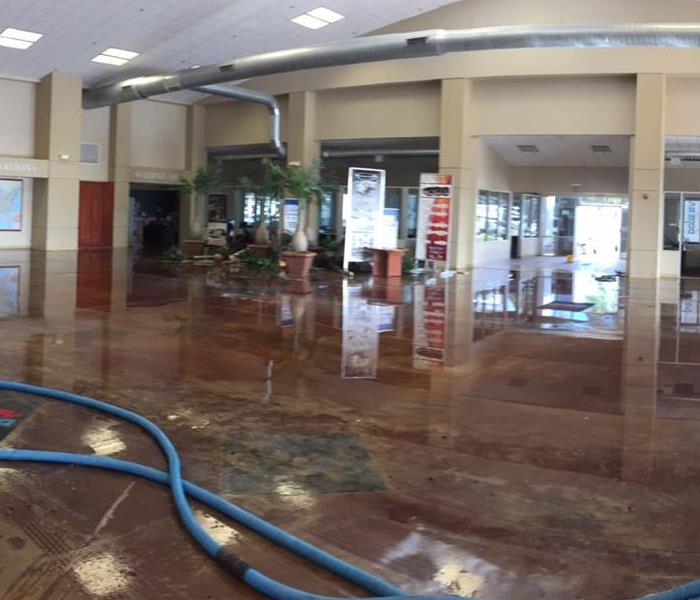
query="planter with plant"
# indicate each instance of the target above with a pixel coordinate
(205, 181)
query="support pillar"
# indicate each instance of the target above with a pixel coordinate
(57, 139)
(196, 157)
(458, 157)
(647, 177)
(119, 171)
(303, 148)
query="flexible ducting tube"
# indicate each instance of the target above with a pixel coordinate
(396, 46)
(267, 100)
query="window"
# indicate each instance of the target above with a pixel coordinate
(516, 208)
(253, 205)
(492, 216)
(412, 213)
(326, 211)
(672, 221)
(531, 215)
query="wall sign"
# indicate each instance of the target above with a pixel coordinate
(366, 189)
(11, 201)
(691, 221)
(388, 231)
(159, 176)
(433, 233)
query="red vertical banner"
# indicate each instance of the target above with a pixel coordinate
(433, 235)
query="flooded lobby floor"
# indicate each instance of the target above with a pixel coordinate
(529, 434)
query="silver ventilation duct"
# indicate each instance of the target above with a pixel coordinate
(239, 93)
(395, 46)
(398, 152)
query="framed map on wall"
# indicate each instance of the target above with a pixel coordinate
(10, 205)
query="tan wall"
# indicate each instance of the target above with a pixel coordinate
(539, 106)
(95, 130)
(493, 173)
(241, 123)
(486, 13)
(385, 111)
(17, 102)
(682, 106)
(158, 135)
(558, 180)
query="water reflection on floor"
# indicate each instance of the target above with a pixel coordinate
(446, 434)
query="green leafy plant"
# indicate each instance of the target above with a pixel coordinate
(173, 254)
(269, 266)
(205, 181)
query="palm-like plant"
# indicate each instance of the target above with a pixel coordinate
(205, 181)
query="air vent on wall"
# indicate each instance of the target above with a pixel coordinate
(89, 153)
(601, 148)
(528, 148)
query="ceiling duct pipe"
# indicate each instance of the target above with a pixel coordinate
(398, 152)
(399, 45)
(239, 93)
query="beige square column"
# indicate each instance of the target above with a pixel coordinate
(119, 170)
(302, 146)
(196, 157)
(56, 201)
(459, 153)
(647, 177)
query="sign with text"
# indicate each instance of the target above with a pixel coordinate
(291, 215)
(388, 233)
(433, 232)
(691, 221)
(365, 209)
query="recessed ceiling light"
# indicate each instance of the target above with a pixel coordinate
(325, 14)
(18, 34)
(309, 22)
(109, 60)
(17, 44)
(116, 52)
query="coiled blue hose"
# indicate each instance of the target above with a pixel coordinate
(180, 489)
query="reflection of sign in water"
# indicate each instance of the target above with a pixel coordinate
(10, 204)
(9, 291)
(433, 231)
(689, 308)
(387, 318)
(360, 335)
(365, 205)
(291, 215)
(286, 315)
(691, 226)
(429, 324)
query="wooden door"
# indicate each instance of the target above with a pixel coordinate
(96, 214)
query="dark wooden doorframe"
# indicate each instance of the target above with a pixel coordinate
(96, 219)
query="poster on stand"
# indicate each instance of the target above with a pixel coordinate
(365, 208)
(291, 215)
(216, 234)
(388, 232)
(434, 206)
(360, 335)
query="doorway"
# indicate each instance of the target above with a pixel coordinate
(690, 257)
(154, 218)
(96, 215)
(598, 233)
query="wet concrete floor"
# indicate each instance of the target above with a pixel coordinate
(530, 434)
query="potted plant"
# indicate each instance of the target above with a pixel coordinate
(205, 181)
(304, 184)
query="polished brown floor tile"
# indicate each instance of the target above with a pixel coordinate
(461, 437)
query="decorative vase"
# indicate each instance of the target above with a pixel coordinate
(262, 235)
(300, 243)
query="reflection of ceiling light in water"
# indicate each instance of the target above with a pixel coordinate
(457, 579)
(294, 494)
(220, 531)
(103, 575)
(103, 440)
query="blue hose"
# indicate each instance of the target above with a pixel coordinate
(180, 488)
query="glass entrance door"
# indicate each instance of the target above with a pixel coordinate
(690, 259)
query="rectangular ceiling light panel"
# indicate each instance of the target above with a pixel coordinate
(317, 18)
(118, 53)
(109, 60)
(18, 38)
